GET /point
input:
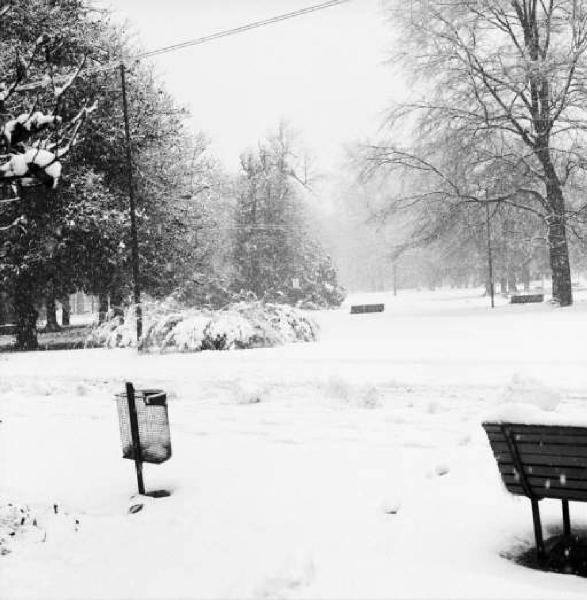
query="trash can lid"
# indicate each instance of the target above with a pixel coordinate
(154, 397)
(149, 396)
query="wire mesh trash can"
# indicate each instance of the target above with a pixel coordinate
(153, 426)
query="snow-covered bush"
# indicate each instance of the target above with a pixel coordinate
(168, 326)
(15, 521)
(114, 333)
(277, 323)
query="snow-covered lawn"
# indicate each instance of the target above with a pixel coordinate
(355, 467)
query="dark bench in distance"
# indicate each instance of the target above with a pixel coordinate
(525, 298)
(541, 461)
(366, 308)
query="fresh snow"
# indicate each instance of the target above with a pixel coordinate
(354, 467)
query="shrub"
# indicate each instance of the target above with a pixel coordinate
(170, 327)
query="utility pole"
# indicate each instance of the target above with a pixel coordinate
(133, 215)
(489, 254)
(394, 272)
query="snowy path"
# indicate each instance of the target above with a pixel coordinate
(362, 472)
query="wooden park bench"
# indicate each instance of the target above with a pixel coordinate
(542, 461)
(525, 298)
(358, 309)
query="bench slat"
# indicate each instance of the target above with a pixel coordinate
(578, 495)
(519, 428)
(537, 438)
(561, 450)
(541, 483)
(531, 459)
(491, 428)
(570, 472)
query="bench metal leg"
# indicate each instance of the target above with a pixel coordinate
(566, 519)
(537, 529)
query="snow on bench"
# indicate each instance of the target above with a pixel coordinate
(541, 461)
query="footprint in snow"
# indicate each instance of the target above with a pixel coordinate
(391, 506)
(135, 508)
(441, 470)
(294, 574)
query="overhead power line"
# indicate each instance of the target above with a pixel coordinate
(115, 64)
(241, 29)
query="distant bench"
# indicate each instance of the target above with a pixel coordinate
(366, 308)
(524, 298)
(541, 461)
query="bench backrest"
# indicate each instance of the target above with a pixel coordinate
(524, 298)
(366, 308)
(541, 461)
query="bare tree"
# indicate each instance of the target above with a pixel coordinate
(505, 92)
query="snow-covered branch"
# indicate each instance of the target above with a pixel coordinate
(36, 163)
(22, 128)
(43, 164)
(40, 160)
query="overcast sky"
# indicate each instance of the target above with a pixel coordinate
(322, 72)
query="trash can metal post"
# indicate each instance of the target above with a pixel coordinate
(136, 442)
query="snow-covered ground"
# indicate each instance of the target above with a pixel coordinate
(354, 467)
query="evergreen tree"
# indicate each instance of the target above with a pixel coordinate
(44, 48)
(275, 255)
(76, 235)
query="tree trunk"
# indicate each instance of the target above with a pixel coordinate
(51, 311)
(7, 311)
(26, 319)
(503, 285)
(556, 232)
(512, 285)
(487, 288)
(103, 307)
(65, 311)
(559, 261)
(526, 276)
(116, 303)
(394, 271)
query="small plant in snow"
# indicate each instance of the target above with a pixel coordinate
(249, 393)
(371, 397)
(339, 388)
(14, 520)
